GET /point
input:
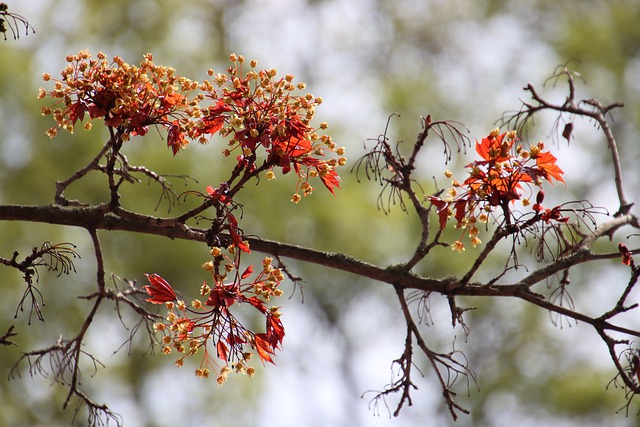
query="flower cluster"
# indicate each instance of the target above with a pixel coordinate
(256, 109)
(210, 328)
(128, 98)
(497, 180)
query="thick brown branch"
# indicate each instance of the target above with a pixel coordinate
(100, 217)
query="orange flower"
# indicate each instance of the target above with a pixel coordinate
(497, 180)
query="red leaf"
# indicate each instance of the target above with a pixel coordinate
(211, 125)
(167, 102)
(235, 236)
(294, 146)
(175, 138)
(490, 148)
(214, 121)
(257, 303)
(461, 210)
(223, 351)
(330, 180)
(263, 348)
(159, 290)
(442, 208)
(247, 272)
(76, 112)
(234, 339)
(547, 163)
(275, 330)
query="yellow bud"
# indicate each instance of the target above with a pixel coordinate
(204, 289)
(458, 246)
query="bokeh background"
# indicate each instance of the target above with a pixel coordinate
(463, 60)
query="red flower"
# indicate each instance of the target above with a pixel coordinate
(159, 290)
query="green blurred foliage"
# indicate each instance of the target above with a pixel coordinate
(455, 60)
